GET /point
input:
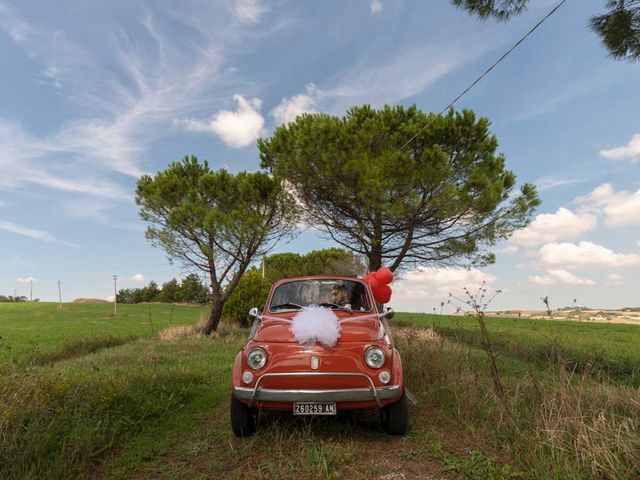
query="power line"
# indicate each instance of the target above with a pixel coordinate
(485, 73)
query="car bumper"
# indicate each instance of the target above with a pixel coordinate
(372, 393)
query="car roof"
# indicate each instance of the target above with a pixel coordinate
(319, 277)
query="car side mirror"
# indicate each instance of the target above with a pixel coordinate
(254, 313)
(389, 313)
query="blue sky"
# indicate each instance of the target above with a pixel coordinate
(93, 94)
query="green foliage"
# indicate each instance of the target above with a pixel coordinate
(329, 261)
(192, 290)
(11, 299)
(150, 293)
(444, 198)
(214, 221)
(618, 28)
(252, 291)
(171, 292)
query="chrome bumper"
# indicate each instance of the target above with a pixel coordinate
(258, 394)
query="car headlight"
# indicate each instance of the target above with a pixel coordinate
(374, 357)
(257, 358)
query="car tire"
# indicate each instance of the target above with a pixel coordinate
(243, 418)
(394, 417)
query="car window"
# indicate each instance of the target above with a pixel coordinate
(331, 293)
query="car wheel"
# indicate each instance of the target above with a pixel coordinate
(394, 417)
(243, 418)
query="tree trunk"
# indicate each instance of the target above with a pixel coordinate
(214, 317)
(375, 254)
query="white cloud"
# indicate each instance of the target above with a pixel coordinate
(32, 233)
(619, 208)
(424, 288)
(435, 282)
(128, 83)
(110, 298)
(290, 107)
(138, 277)
(630, 151)
(508, 249)
(238, 128)
(554, 277)
(379, 78)
(615, 279)
(584, 254)
(375, 6)
(249, 10)
(26, 280)
(550, 227)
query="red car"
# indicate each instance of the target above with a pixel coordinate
(319, 346)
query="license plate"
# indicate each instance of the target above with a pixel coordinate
(314, 408)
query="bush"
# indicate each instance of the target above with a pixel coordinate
(252, 291)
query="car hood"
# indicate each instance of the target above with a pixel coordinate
(363, 328)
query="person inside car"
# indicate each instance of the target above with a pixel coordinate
(340, 295)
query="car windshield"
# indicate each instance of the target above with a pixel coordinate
(330, 293)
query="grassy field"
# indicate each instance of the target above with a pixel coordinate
(106, 397)
(33, 329)
(611, 349)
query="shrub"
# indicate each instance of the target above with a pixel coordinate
(252, 291)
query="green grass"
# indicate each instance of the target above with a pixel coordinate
(56, 420)
(34, 329)
(89, 395)
(609, 348)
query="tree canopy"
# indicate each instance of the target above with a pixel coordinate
(442, 200)
(618, 27)
(214, 221)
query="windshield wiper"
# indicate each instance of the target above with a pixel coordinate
(287, 305)
(336, 306)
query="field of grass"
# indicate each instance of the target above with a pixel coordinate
(611, 349)
(106, 397)
(33, 329)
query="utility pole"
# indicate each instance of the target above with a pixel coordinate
(59, 295)
(115, 296)
(31, 289)
(263, 266)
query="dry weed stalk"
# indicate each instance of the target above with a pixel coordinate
(479, 303)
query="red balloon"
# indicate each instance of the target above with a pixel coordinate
(372, 281)
(382, 294)
(384, 275)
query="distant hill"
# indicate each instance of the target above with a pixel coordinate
(89, 300)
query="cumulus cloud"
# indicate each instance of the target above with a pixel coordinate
(138, 277)
(290, 107)
(615, 279)
(426, 282)
(249, 10)
(630, 151)
(375, 6)
(238, 128)
(554, 277)
(551, 227)
(584, 254)
(619, 208)
(26, 280)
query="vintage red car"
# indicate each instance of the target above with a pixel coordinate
(319, 346)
